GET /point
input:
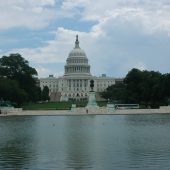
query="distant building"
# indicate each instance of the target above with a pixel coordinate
(75, 83)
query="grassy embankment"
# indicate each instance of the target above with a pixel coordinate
(56, 105)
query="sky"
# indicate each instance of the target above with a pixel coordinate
(116, 35)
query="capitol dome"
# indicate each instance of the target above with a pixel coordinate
(77, 61)
(77, 51)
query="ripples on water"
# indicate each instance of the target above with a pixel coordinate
(85, 142)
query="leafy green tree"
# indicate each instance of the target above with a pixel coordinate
(132, 81)
(37, 94)
(147, 88)
(45, 93)
(15, 67)
(166, 87)
(144, 87)
(115, 92)
(10, 90)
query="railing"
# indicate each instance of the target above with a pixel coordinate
(127, 106)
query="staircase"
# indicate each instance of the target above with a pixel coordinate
(99, 98)
(55, 96)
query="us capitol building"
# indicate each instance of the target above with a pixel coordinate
(74, 85)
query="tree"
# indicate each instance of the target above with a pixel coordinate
(10, 90)
(37, 94)
(165, 90)
(115, 92)
(45, 93)
(144, 87)
(132, 81)
(15, 67)
(147, 88)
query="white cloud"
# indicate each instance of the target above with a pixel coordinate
(131, 33)
(55, 51)
(141, 66)
(33, 14)
(43, 72)
(153, 15)
(112, 46)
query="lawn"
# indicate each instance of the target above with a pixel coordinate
(55, 105)
(47, 106)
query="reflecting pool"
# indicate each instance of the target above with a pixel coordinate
(120, 142)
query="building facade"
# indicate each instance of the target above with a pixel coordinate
(75, 83)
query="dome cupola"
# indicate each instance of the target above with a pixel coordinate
(77, 51)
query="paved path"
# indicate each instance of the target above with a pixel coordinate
(83, 111)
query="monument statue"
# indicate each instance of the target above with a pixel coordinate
(91, 84)
(92, 98)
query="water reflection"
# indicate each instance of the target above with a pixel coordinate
(79, 140)
(85, 142)
(147, 139)
(15, 143)
(147, 120)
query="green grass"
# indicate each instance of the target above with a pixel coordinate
(48, 106)
(56, 105)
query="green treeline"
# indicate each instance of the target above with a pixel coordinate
(18, 82)
(147, 88)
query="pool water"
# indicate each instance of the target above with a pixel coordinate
(120, 142)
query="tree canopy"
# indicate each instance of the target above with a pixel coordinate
(148, 88)
(18, 81)
(45, 93)
(14, 65)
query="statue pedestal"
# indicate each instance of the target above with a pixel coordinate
(110, 107)
(92, 101)
(73, 107)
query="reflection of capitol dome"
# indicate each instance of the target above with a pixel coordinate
(77, 62)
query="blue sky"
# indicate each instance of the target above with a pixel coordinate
(116, 35)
